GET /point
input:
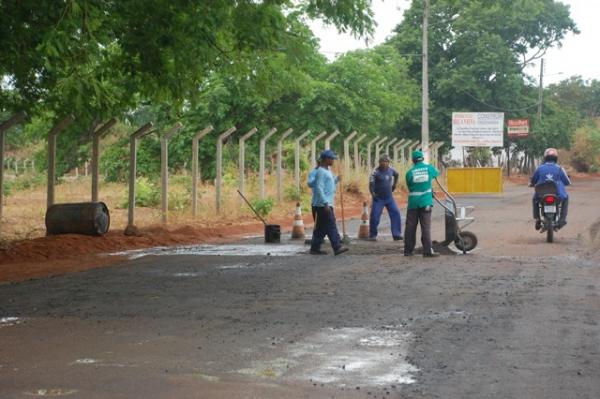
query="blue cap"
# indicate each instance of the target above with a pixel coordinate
(328, 154)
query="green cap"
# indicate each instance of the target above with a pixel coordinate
(417, 155)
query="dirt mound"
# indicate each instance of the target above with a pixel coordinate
(52, 255)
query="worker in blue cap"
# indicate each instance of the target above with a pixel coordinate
(324, 186)
(420, 203)
(382, 183)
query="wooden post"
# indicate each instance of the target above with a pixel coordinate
(377, 148)
(98, 134)
(347, 152)
(4, 126)
(164, 170)
(330, 138)
(313, 147)
(144, 130)
(297, 159)
(279, 163)
(59, 127)
(219, 179)
(261, 162)
(369, 144)
(357, 161)
(195, 168)
(242, 160)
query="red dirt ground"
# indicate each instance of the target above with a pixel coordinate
(54, 255)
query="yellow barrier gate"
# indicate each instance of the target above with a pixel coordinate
(474, 180)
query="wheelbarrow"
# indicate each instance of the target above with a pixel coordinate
(456, 220)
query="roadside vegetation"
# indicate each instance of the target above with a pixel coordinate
(209, 65)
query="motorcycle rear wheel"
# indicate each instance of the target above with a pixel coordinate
(549, 230)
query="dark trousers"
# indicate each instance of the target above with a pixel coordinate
(395, 218)
(325, 225)
(414, 217)
(563, 212)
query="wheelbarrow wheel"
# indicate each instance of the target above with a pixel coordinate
(466, 241)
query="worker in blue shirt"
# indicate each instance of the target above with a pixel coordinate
(382, 184)
(324, 187)
(551, 170)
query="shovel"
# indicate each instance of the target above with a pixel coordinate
(345, 237)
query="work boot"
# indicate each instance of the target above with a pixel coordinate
(561, 224)
(317, 252)
(538, 224)
(431, 254)
(408, 254)
(398, 238)
(341, 250)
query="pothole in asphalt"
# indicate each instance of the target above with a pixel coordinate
(10, 321)
(51, 392)
(343, 357)
(219, 250)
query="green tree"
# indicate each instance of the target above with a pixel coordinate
(478, 51)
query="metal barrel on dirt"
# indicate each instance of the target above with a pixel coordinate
(89, 218)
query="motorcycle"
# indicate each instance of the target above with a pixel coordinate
(549, 208)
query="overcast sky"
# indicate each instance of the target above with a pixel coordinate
(579, 54)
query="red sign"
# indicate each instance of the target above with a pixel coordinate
(517, 128)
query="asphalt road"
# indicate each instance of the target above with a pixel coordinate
(516, 318)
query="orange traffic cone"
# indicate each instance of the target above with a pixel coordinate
(363, 230)
(298, 228)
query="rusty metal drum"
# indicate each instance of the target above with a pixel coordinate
(89, 218)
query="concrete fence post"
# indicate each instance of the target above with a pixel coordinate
(357, 160)
(164, 170)
(97, 135)
(280, 163)
(402, 151)
(330, 138)
(389, 144)
(4, 127)
(261, 162)
(396, 148)
(242, 159)
(369, 144)
(52, 134)
(377, 150)
(347, 160)
(297, 159)
(195, 168)
(313, 147)
(219, 180)
(135, 136)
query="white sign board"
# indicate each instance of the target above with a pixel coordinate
(478, 129)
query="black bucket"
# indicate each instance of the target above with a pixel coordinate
(272, 233)
(90, 218)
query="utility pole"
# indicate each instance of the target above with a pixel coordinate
(541, 91)
(425, 102)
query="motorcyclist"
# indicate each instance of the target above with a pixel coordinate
(551, 170)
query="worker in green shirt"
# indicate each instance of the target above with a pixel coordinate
(420, 202)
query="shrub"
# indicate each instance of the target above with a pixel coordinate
(147, 194)
(263, 206)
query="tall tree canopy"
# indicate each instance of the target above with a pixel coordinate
(478, 51)
(99, 56)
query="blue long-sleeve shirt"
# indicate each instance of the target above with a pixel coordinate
(382, 182)
(552, 171)
(323, 187)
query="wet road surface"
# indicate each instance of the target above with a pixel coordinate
(517, 318)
